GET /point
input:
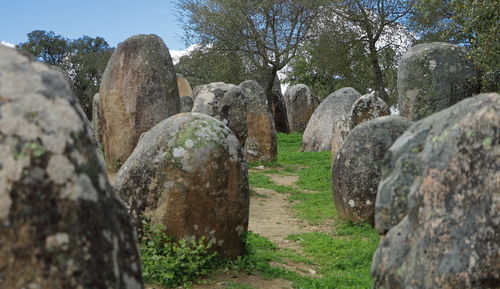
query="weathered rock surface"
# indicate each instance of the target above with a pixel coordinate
(186, 103)
(334, 109)
(356, 170)
(95, 117)
(300, 105)
(432, 77)
(367, 107)
(61, 225)
(183, 86)
(189, 174)
(138, 90)
(226, 103)
(439, 197)
(261, 143)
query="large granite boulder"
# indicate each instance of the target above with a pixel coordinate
(439, 197)
(138, 90)
(61, 225)
(356, 170)
(261, 143)
(300, 105)
(183, 86)
(334, 110)
(226, 103)
(367, 107)
(188, 173)
(432, 77)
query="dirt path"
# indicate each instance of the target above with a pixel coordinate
(271, 216)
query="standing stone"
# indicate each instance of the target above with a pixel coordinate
(356, 170)
(61, 225)
(95, 117)
(188, 174)
(333, 110)
(276, 104)
(186, 103)
(261, 144)
(300, 105)
(226, 103)
(138, 90)
(183, 86)
(439, 197)
(366, 108)
(432, 77)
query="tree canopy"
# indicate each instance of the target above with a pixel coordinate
(83, 59)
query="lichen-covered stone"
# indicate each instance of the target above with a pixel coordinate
(61, 225)
(226, 103)
(439, 197)
(138, 90)
(261, 144)
(432, 77)
(95, 117)
(300, 105)
(183, 86)
(367, 107)
(333, 110)
(356, 170)
(188, 173)
(186, 103)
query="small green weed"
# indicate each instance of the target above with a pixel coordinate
(171, 264)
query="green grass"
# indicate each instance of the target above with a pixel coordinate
(343, 256)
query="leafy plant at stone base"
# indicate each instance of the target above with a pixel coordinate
(171, 264)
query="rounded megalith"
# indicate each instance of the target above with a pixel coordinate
(183, 86)
(439, 199)
(356, 169)
(432, 77)
(226, 103)
(300, 105)
(367, 107)
(261, 143)
(188, 173)
(186, 103)
(138, 90)
(334, 109)
(61, 224)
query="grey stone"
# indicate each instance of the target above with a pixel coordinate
(95, 117)
(356, 170)
(334, 109)
(61, 225)
(261, 143)
(186, 103)
(226, 103)
(439, 200)
(300, 105)
(138, 90)
(432, 77)
(188, 173)
(367, 107)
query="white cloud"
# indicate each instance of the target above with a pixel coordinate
(176, 54)
(5, 43)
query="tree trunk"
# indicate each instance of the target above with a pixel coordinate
(377, 72)
(276, 102)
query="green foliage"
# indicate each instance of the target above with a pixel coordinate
(171, 264)
(83, 61)
(207, 65)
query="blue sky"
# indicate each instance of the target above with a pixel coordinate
(114, 20)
